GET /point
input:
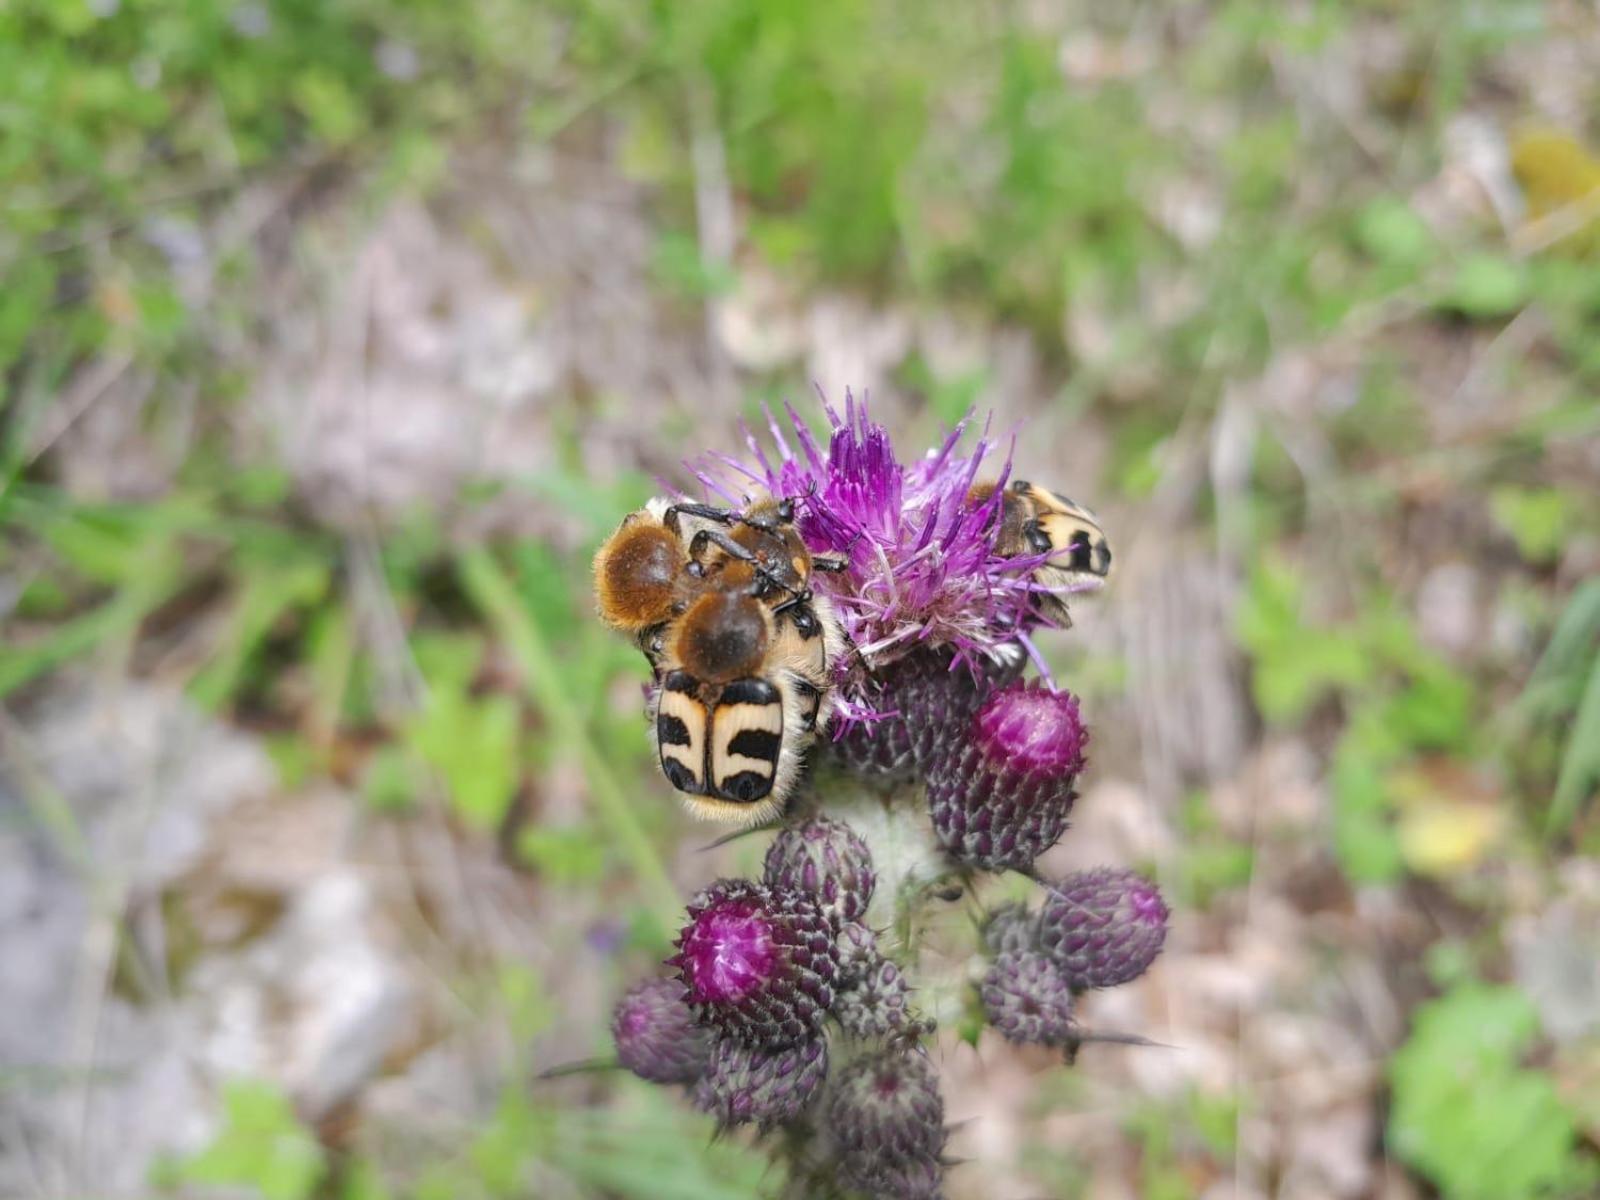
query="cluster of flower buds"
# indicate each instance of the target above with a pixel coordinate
(761, 969)
(792, 1000)
(1095, 929)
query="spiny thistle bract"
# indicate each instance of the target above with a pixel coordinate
(792, 1006)
(886, 1118)
(1026, 998)
(828, 861)
(743, 1083)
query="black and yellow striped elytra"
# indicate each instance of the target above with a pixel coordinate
(1065, 530)
(1036, 521)
(721, 743)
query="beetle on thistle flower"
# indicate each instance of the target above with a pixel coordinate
(837, 641)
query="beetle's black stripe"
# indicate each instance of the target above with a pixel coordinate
(756, 743)
(671, 731)
(749, 691)
(679, 681)
(810, 698)
(680, 777)
(745, 788)
(1082, 551)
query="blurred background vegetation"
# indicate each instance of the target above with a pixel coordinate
(334, 336)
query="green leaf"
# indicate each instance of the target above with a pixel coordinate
(1294, 666)
(645, 1147)
(389, 784)
(269, 590)
(678, 264)
(1580, 764)
(472, 743)
(117, 617)
(516, 1135)
(1467, 1114)
(1363, 833)
(490, 588)
(330, 106)
(566, 855)
(1390, 230)
(1486, 286)
(262, 1149)
(1538, 519)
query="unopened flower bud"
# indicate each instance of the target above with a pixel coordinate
(1002, 795)
(1027, 999)
(827, 860)
(1103, 927)
(746, 1083)
(656, 1036)
(887, 1119)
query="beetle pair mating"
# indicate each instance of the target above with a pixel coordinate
(744, 651)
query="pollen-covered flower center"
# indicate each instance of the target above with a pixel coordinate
(729, 954)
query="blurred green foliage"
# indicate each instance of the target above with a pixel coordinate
(1470, 1115)
(262, 1146)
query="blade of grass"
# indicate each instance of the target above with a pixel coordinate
(21, 665)
(1574, 630)
(267, 591)
(1580, 765)
(491, 591)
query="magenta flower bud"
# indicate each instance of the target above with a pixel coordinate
(1012, 927)
(1002, 796)
(656, 1036)
(1103, 927)
(826, 860)
(886, 1118)
(758, 963)
(743, 1083)
(877, 1004)
(1027, 998)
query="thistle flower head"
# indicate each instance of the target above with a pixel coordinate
(1032, 730)
(656, 1036)
(1002, 794)
(858, 951)
(826, 860)
(1010, 928)
(743, 1083)
(887, 1119)
(1027, 998)
(922, 571)
(877, 1003)
(1103, 927)
(758, 963)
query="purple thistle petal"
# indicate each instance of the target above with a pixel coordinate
(920, 564)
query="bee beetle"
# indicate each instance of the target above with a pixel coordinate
(648, 571)
(742, 693)
(763, 541)
(1034, 521)
(741, 648)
